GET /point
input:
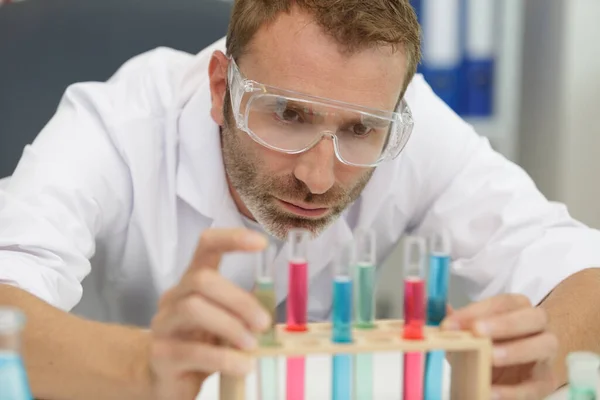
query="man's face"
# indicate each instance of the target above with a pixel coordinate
(308, 190)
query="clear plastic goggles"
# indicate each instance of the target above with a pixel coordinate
(292, 122)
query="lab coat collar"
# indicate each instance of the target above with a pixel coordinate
(201, 182)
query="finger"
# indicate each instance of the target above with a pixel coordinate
(214, 242)
(523, 322)
(225, 294)
(541, 385)
(176, 356)
(538, 348)
(196, 313)
(494, 305)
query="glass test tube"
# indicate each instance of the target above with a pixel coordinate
(298, 280)
(437, 299)
(364, 307)
(264, 290)
(297, 308)
(583, 368)
(342, 298)
(14, 384)
(439, 275)
(365, 260)
(414, 287)
(414, 314)
(341, 385)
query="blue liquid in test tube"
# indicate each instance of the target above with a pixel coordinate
(342, 326)
(437, 299)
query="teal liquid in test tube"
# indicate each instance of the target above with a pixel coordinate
(14, 384)
(342, 326)
(364, 261)
(437, 299)
(264, 290)
(439, 276)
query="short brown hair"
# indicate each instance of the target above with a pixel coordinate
(354, 24)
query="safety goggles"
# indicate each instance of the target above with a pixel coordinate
(292, 122)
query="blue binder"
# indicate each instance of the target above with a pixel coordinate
(479, 61)
(443, 49)
(416, 4)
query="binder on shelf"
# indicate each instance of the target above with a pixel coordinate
(479, 60)
(416, 4)
(442, 49)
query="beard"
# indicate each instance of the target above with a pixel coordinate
(259, 188)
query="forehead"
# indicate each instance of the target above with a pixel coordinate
(294, 53)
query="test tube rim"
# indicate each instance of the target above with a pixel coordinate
(362, 233)
(445, 240)
(409, 266)
(265, 261)
(12, 326)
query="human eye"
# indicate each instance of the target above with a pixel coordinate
(361, 130)
(289, 115)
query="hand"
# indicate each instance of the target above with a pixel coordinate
(198, 316)
(523, 347)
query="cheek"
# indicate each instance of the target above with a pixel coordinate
(269, 161)
(348, 176)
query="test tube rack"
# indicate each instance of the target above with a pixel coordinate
(469, 356)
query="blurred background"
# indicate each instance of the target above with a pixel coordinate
(525, 73)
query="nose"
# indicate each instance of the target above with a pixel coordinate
(315, 167)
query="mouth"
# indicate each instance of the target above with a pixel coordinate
(303, 210)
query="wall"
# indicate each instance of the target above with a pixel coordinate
(560, 133)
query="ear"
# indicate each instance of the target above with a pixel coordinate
(217, 73)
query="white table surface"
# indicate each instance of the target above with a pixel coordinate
(387, 383)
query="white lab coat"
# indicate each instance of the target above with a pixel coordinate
(128, 173)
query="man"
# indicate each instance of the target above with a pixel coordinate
(303, 120)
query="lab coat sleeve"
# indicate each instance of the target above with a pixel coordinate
(70, 187)
(506, 236)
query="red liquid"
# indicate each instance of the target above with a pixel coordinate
(297, 296)
(414, 308)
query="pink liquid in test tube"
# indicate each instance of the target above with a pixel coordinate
(298, 296)
(414, 308)
(297, 310)
(414, 315)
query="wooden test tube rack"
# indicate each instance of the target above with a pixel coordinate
(469, 356)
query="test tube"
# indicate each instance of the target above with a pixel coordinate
(342, 324)
(342, 298)
(264, 290)
(365, 260)
(437, 298)
(298, 280)
(14, 383)
(414, 314)
(297, 307)
(439, 271)
(364, 306)
(583, 370)
(414, 287)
